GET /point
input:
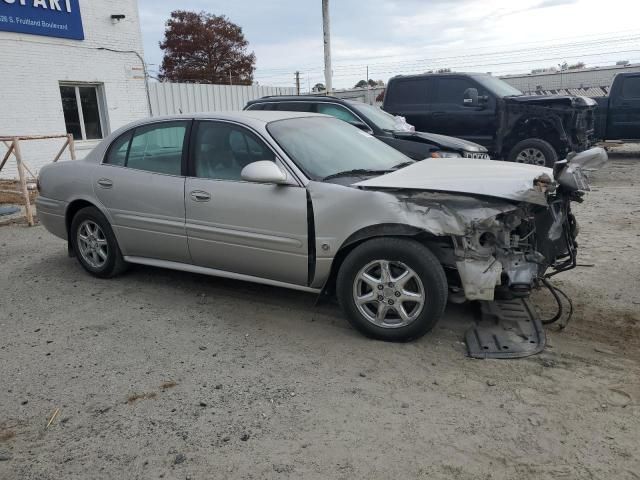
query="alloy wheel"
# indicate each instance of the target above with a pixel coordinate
(93, 244)
(532, 156)
(388, 294)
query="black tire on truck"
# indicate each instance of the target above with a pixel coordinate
(533, 151)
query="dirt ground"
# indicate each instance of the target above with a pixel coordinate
(162, 374)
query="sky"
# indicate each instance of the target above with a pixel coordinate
(394, 37)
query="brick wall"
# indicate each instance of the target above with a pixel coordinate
(32, 67)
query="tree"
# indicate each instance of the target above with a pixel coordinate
(372, 83)
(319, 87)
(361, 84)
(574, 66)
(205, 48)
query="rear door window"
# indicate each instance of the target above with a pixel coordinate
(158, 148)
(295, 107)
(409, 92)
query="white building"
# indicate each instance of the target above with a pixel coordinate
(68, 66)
(586, 78)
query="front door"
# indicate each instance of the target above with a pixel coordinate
(141, 185)
(237, 226)
(451, 117)
(625, 110)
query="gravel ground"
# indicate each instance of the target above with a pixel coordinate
(161, 374)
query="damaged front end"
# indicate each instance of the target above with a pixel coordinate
(514, 249)
(493, 225)
(504, 243)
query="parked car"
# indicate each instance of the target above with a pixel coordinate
(481, 108)
(391, 130)
(618, 115)
(309, 202)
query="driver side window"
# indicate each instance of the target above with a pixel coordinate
(222, 150)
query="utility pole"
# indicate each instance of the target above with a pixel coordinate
(368, 91)
(327, 46)
(230, 82)
(297, 83)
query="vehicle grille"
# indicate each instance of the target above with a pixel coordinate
(481, 156)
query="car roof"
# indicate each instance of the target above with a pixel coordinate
(250, 116)
(297, 98)
(439, 74)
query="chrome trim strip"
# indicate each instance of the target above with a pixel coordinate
(185, 267)
(199, 231)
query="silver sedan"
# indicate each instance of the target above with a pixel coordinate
(311, 203)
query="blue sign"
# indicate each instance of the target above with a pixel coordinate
(49, 18)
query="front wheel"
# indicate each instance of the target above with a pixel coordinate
(392, 289)
(534, 151)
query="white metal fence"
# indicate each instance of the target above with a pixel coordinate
(365, 95)
(175, 98)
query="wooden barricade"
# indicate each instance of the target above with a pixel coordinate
(13, 149)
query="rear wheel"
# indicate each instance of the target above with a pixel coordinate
(95, 245)
(392, 289)
(533, 151)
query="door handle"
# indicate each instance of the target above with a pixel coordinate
(200, 196)
(105, 183)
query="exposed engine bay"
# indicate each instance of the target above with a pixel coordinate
(497, 242)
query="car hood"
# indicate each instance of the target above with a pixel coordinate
(442, 141)
(510, 181)
(567, 100)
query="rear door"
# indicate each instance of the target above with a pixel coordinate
(141, 184)
(451, 117)
(624, 110)
(409, 98)
(237, 226)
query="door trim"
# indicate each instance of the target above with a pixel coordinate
(217, 273)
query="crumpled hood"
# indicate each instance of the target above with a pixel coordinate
(442, 141)
(567, 100)
(511, 181)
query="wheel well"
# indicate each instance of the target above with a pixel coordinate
(73, 208)
(369, 233)
(534, 128)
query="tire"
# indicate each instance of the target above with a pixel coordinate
(533, 151)
(100, 254)
(402, 255)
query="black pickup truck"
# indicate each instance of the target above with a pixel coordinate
(486, 110)
(618, 115)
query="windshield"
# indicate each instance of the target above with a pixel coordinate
(496, 86)
(382, 119)
(325, 146)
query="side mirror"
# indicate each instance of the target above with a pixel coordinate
(361, 125)
(471, 98)
(264, 171)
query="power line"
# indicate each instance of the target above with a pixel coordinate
(549, 44)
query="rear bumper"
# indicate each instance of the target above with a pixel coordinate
(51, 214)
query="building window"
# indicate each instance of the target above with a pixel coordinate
(83, 106)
